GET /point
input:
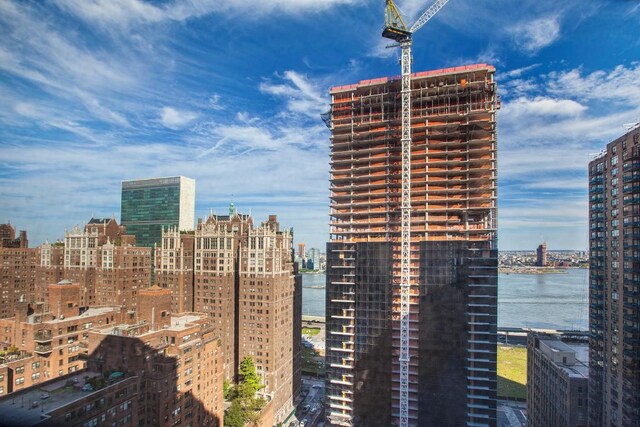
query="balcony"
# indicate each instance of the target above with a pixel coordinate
(43, 349)
(43, 336)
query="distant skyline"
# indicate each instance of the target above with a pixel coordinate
(94, 92)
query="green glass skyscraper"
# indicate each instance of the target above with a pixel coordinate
(148, 205)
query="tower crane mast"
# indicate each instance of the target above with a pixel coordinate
(395, 29)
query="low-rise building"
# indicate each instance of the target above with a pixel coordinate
(44, 345)
(557, 382)
(151, 368)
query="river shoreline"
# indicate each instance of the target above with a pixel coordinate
(543, 301)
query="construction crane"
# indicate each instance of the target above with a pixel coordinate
(395, 29)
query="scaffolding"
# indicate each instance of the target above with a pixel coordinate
(452, 190)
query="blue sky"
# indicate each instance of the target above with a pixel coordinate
(93, 92)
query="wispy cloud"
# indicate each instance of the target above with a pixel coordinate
(132, 12)
(517, 72)
(542, 106)
(176, 119)
(619, 85)
(531, 36)
(301, 95)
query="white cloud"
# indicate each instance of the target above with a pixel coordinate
(214, 102)
(542, 106)
(246, 118)
(301, 94)
(176, 119)
(131, 12)
(531, 36)
(621, 85)
(517, 72)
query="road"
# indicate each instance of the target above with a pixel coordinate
(310, 412)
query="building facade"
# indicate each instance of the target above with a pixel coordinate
(17, 278)
(245, 280)
(174, 267)
(453, 254)
(614, 283)
(314, 257)
(107, 264)
(557, 382)
(49, 344)
(148, 205)
(541, 255)
(152, 369)
(8, 237)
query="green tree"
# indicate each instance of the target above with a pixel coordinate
(248, 377)
(234, 415)
(226, 388)
(245, 406)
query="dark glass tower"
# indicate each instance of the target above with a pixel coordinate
(453, 255)
(614, 289)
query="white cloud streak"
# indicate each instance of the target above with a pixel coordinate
(301, 95)
(176, 119)
(126, 13)
(531, 36)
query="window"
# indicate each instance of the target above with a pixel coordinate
(20, 380)
(20, 370)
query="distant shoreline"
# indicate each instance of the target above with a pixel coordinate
(534, 270)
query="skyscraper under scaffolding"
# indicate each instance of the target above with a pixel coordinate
(453, 270)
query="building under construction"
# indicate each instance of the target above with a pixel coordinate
(453, 255)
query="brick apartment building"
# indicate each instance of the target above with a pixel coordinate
(17, 277)
(101, 258)
(104, 260)
(49, 344)
(8, 237)
(245, 280)
(174, 267)
(154, 368)
(49, 269)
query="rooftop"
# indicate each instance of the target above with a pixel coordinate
(94, 311)
(578, 367)
(383, 80)
(99, 220)
(29, 407)
(179, 323)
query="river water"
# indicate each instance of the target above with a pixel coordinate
(553, 301)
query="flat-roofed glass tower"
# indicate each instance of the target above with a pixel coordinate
(148, 205)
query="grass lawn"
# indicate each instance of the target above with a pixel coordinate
(512, 372)
(311, 362)
(310, 331)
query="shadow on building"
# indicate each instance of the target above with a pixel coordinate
(126, 383)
